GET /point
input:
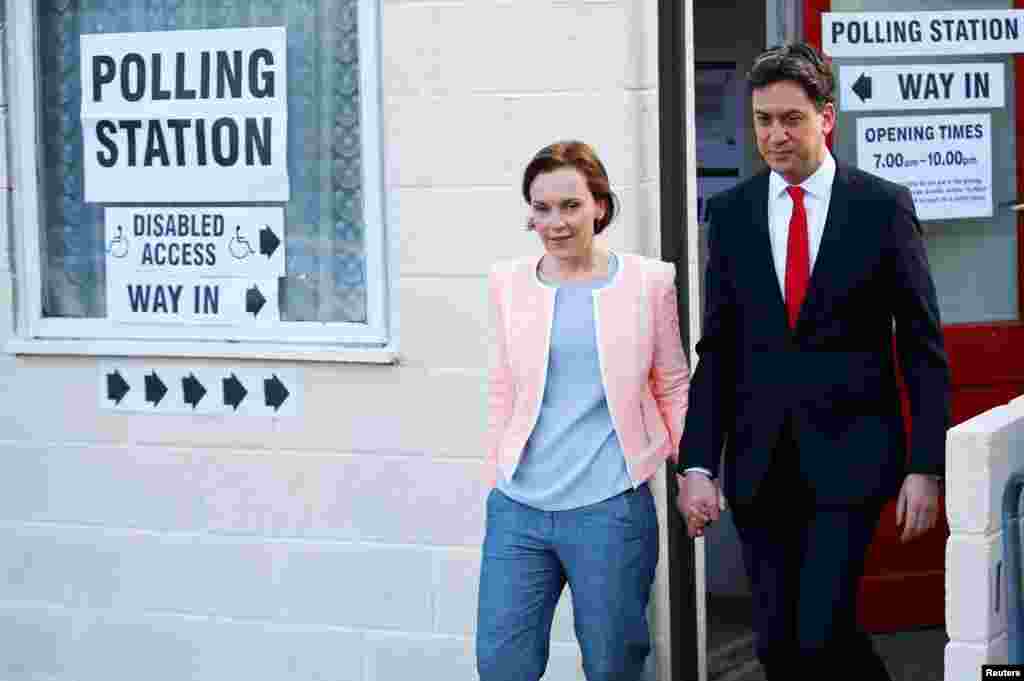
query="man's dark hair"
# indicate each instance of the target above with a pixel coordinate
(799, 63)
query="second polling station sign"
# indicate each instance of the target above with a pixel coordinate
(185, 116)
(944, 33)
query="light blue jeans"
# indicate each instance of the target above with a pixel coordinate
(607, 552)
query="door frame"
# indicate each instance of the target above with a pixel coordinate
(678, 208)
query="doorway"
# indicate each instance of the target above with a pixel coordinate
(726, 154)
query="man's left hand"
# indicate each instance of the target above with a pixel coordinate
(917, 508)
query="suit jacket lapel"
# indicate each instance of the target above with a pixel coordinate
(830, 248)
(765, 261)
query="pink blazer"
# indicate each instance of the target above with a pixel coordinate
(645, 374)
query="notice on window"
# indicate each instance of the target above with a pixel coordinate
(945, 161)
(896, 34)
(215, 241)
(903, 87)
(185, 116)
(156, 299)
(210, 265)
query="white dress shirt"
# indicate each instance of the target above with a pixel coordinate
(817, 194)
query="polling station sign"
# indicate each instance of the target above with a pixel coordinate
(893, 34)
(945, 161)
(185, 116)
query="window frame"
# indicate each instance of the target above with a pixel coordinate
(375, 342)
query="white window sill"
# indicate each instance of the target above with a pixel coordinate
(135, 348)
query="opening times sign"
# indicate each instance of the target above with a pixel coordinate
(945, 161)
(189, 116)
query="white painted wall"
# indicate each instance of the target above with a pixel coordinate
(981, 454)
(343, 544)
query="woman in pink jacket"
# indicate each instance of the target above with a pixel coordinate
(588, 388)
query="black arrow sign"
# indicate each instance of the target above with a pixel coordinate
(274, 392)
(268, 241)
(234, 391)
(862, 87)
(155, 388)
(117, 387)
(254, 300)
(193, 389)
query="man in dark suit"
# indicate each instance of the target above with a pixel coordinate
(812, 266)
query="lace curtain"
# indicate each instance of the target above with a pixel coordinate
(324, 244)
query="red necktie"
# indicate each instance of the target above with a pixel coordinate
(798, 260)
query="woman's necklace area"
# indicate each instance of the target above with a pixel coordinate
(550, 271)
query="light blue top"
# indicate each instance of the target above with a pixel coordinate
(573, 457)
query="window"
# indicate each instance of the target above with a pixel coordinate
(202, 72)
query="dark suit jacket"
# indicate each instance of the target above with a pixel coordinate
(833, 376)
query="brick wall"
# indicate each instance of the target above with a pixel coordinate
(343, 543)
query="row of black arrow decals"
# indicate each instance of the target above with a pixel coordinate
(274, 391)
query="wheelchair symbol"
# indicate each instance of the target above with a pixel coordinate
(118, 246)
(239, 245)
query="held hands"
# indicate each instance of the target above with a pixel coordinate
(698, 502)
(917, 508)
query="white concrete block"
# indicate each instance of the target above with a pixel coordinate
(357, 586)
(390, 409)
(251, 493)
(635, 229)
(426, 130)
(624, 235)
(37, 564)
(395, 499)
(36, 642)
(6, 296)
(462, 231)
(412, 656)
(137, 571)
(308, 653)
(503, 47)
(6, 182)
(172, 648)
(641, 48)
(981, 454)
(3, 59)
(642, 153)
(134, 487)
(456, 591)
(976, 587)
(217, 576)
(445, 321)
(964, 660)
